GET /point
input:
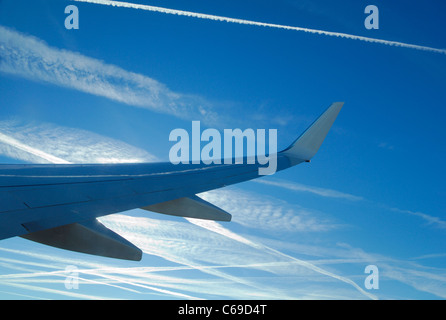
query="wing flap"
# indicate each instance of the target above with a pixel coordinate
(190, 207)
(90, 237)
(10, 203)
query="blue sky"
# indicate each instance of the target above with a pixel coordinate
(115, 88)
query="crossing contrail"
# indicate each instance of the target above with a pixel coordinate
(260, 24)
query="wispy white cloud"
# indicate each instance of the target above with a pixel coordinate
(31, 58)
(330, 193)
(9, 142)
(226, 248)
(43, 143)
(216, 227)
(422, 278)
(221, 257)
(430, 220)
(324, 192)
(261, 24)
(208, 260)
(268, 213)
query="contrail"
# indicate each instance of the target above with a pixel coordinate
(323, 192)
(36, 152)
(260, 24)
(216, 227)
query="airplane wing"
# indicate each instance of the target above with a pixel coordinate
(58, 204)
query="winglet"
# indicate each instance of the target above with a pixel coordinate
(309, 142)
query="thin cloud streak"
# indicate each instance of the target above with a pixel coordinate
(261, 24)
(48, 143)
(267, 213)
(204, 247)
(216, 227)
(31, 58)
(10, 141)
(183, 243)
(172, 237)
(329, 193)
(294, 186)
(430, 220)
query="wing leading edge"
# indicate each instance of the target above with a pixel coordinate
(58, 204)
